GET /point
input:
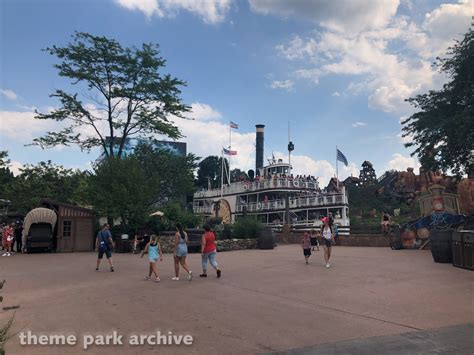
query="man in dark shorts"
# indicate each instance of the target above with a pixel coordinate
(104, 245)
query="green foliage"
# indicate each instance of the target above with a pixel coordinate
(209, 170)
(238, 175)
(169, 176)
(443, 128)
(119, 189)
(45, 180)
(246, 227)
(127, 89)
(225, 232)
(174, 214)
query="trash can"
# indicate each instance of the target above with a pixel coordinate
(266, 239)
(468, 249)
(441, 247)
(457, 245)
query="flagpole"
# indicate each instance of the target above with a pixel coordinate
(230, 148)
(337, 171)
(222, 173)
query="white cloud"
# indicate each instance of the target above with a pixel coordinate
(15, 167)
(204, 112)
(401, 163)
(297, 48)
(354, 15)
(391, 61)
(210, 11)
(324, 170)
(336, 93)
(22, 126)
(9, 94)
(359, 124)
(285, 85)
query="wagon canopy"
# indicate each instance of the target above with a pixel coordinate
(39, 215)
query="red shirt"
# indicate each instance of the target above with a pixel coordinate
(210, 240)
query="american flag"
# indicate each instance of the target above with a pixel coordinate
(230, 152)
(342, 157)
(234, 125)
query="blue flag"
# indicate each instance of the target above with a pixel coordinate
(341, 157)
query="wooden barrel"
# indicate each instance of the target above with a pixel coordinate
(441, 245)
(266, 239)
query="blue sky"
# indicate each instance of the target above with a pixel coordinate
(338, 71)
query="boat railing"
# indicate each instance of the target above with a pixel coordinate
(310, 201)
(248, 186)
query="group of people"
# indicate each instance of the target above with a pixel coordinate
(311, 240)
(11, 237)
(105, 244)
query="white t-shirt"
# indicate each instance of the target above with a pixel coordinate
(327, 233)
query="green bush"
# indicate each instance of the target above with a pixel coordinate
(246, 227)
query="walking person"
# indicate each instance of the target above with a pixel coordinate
(314, 240)
(7, 240)
(153, 248)
(209, 251)
(328, 239)
(306, 245)
(180, 252)
(18, 233)
(104, 245)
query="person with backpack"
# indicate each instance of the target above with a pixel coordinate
(180, 252)
(327, 236)
(209, 251)
(104, 245)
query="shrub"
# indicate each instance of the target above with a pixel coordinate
(246, 227)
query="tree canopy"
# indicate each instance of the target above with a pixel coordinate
(123, 94)
(443, 128)
(209, 171)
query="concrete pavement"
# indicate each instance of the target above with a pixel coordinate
(266, 300)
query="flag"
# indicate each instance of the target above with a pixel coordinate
(230, 152)
(341, 157)
(234, 125)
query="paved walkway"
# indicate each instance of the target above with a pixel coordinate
(266, 300)
(458, 339)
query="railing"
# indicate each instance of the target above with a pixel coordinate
(245, 186)
(313, 201)
(203, 209)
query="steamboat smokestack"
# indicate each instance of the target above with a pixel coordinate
(259, 148)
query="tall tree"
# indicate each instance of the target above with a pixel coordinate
(443, 128)
(209, 171)
(170, 176)
(44, 180)
(119, 189)
(125, 95)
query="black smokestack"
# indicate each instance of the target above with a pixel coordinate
(259, 148)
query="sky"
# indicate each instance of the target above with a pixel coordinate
(336, 72)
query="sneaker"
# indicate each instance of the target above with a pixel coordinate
(112, 269)
(328, 265)
(157, 279)
(8, 254)
(219, 272)
(96, 269)
(190, 276)
(306, 261)
(203, 275)
(4, 254)
(175, 278)
(147, 278)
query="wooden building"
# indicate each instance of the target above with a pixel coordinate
(75, 227)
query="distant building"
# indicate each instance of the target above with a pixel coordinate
(367, 174)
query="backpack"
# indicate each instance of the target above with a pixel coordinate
(103, 245)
